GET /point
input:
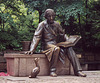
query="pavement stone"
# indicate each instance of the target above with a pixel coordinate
(92, 77)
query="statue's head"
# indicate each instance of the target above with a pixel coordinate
(50, 15)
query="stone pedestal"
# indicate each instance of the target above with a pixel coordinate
(21, 65)
(2, 63)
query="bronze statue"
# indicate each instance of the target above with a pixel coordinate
(50, 32)
(35, 71)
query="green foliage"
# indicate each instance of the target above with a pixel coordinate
(17, 24)
(6, 40)
(20, 18)
(28, 24)
(94, 21)
(65, 11)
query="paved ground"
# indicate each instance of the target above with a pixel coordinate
(92, 77)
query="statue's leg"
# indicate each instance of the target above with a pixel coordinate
(75, 62)
(53, 61)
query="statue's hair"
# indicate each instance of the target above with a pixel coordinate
(47, 11)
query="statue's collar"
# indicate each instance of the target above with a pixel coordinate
(45, 22)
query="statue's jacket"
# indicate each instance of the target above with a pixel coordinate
(50, 35)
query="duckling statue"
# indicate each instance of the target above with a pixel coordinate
(35, 71)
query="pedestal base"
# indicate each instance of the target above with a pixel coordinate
(22, 65)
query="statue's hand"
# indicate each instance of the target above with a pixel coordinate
(29, 52)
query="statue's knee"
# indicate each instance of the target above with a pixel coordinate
(57, 48)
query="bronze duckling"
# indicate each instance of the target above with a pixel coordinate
(35, 71)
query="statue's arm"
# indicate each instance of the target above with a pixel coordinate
(66, 37)
(36, 38)
(62, 33)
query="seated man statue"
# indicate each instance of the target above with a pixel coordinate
(49, 31)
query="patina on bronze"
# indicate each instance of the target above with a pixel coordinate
(49, 31)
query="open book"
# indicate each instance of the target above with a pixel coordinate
(72, 40)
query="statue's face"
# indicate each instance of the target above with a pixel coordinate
(50, 17)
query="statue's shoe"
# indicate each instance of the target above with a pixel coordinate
(53, 74)
(81, 74)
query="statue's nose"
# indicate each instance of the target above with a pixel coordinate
(51, 17)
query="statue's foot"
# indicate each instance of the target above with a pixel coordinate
(53, 74)
(81, 74)
(30, 76)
